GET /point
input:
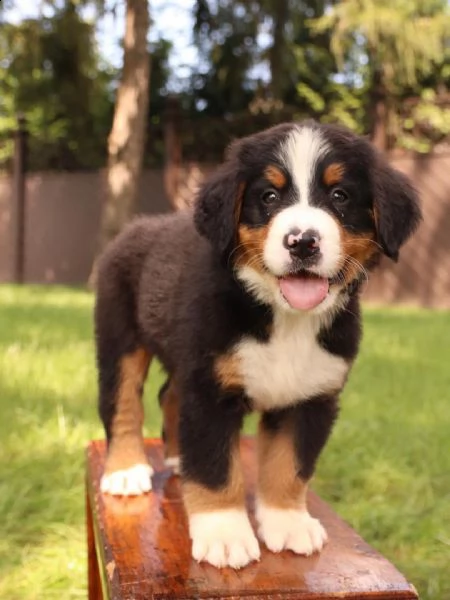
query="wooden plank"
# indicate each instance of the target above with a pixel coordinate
(94, 580)
(145, 550)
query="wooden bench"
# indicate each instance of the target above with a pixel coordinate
(138, 549)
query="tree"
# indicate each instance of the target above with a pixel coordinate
(127, 136)
(401, 41)
(278, 52)
(291, 74)
(304, 71)
(226, 37)
(51, 72)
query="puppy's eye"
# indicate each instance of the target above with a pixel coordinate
(269, 197)
(339, 196)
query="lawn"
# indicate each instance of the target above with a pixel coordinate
(386, 469)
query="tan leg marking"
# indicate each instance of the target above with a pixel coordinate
(127, 469)
(281, 512)
(278, 483)
(198, 498)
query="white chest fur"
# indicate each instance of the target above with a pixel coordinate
(291, 366)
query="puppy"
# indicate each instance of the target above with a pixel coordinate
(250, 301)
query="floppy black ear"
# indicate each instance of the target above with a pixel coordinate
(396, 207)
(217, 206)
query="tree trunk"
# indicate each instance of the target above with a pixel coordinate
(173, 152)
(379, 111)
(127, 138)
(278, 48)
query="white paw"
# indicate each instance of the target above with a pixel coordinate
(173, 462)
(290, 529)
(224, 538)
(129, 482)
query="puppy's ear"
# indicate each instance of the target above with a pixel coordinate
(396, 207)
(218, 204)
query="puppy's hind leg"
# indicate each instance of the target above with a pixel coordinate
(127, 471)
(122, 368)
(169, 400)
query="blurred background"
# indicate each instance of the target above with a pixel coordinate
(220, 69)
(116, 107)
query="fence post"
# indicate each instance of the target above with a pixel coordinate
(18, 200)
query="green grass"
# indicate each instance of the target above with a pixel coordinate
(386, 469)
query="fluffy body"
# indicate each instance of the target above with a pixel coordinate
(251, 302)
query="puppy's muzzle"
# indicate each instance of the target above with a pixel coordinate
(304, 245)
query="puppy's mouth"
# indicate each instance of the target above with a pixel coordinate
(304, 290)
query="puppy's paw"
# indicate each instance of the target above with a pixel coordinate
(290, 529)
(133, 481)
(224, 538)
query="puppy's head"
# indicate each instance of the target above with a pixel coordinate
(300, 211)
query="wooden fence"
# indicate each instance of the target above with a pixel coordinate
(49, 223)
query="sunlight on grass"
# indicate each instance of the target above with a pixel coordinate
(386, 469)
(48, 404)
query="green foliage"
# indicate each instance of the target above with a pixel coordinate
(50, 72)
(314, 100)
(326, 60)
(386, 469)
(260, 61)
(405, 38)
(225, 35)
(427, 123)
(293, 72)
(48, 407)
(405, 44)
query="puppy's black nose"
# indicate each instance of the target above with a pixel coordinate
(302, 245)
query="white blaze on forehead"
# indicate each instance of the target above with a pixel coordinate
(300, 153)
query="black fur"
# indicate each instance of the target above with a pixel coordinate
(214, 215)
(315, 420)
(207, 432)
(397, 208)
(343, 336)
(168, 284)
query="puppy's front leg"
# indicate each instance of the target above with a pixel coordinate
(213, 486)
(289, 443)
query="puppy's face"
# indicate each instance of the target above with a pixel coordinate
(312, 207)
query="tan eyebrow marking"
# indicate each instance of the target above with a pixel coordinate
(276, 177)
(333, 173)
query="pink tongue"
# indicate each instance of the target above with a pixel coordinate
(304, 293)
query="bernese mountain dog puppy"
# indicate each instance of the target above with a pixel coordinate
(251, 303)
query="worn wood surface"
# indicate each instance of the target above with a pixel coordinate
(144, 550)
